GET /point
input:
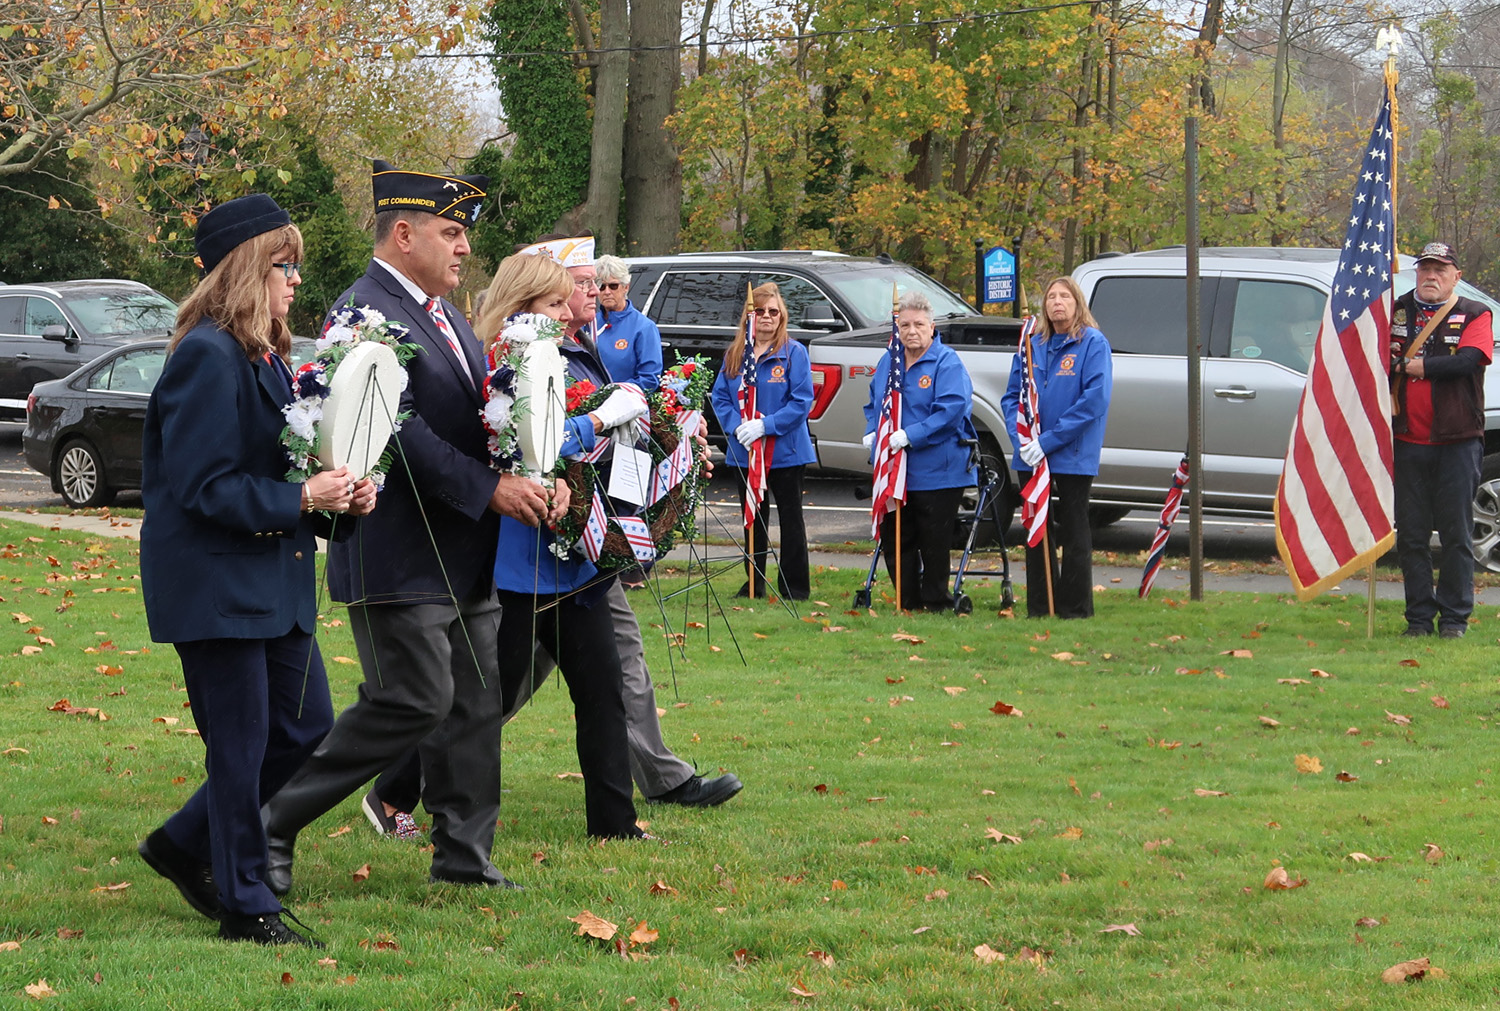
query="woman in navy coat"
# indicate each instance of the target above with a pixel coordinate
(227, 561)
(1073, 372)
(935, 406)
(784, 396)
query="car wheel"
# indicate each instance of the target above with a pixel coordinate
(1102, 516)
(80, 476)
(1487, 515)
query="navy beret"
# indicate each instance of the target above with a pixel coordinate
(234, 222)
(457, 198)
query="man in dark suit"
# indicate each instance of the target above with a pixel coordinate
(417, 577)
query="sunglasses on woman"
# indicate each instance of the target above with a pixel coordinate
(766, 310)
(611, 285)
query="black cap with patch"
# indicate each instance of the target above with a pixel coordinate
(1440, 251)
(457, 198)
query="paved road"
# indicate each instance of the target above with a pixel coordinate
(834, 515)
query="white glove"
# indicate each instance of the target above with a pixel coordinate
(899, 439)
(868, 440)
(751, 430)
(619, 407)
(1031, 452)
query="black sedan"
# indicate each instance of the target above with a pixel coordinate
(84, 431)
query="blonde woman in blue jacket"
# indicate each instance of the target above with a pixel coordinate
(784, 396)
(1073, 375)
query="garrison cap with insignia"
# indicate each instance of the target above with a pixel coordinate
(457, 198)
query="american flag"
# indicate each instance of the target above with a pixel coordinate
(761, 449)
(1335, 503)
(1036, 497)
(1164, 528)
(890, 464)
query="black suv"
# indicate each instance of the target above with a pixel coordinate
(696, 298)
(48, 330)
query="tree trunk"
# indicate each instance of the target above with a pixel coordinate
(653, 171)
(1083, 99)
(1208, 37)
(602, 215)
(1280, 85)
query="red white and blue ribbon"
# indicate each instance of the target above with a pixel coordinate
(1164, 527)
(671, 472)
(638, 536)
(594, 529)
(759, 451)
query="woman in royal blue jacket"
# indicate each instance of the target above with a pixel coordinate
(628, 341)
(783, 398)
(935, 404)
(1073, 375)
(227, 561)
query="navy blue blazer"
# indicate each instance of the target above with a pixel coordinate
(226, 551)
(432, 525)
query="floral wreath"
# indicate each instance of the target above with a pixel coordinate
(502, 410)
(346, 328)
(684, 388)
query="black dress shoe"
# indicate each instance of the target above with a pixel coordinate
(700, 792)
(1416, 632)
(265, 928)
(193, 878)
(1451, 632)
(503, 882)
(279, 864)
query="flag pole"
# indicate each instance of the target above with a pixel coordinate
(1388, 38)
(1046, 539)
(894, 308)
(749, 350)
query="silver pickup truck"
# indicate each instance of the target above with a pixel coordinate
(1260, 311)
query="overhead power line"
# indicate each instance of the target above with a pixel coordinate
(804, 36)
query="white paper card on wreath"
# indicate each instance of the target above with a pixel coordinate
(540, 383)
(360, 412)
(630, 475)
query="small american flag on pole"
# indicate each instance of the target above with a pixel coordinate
(1164, 528)
(1335, 503)
(760, 450)
(1036, 497)
(890, 464)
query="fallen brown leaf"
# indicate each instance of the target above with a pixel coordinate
(341, 830)
(1280, 881)
(594, 926)
(799, 989)
(1000, 837)
(904, 637)
(1319, 672)
(1403, 972)
(1432, 852)
(1269, 722)
(1346, 777)
(1307, 763)
(1210, 793)
(936, 895)
(1122, 928)
(660, 887)
(118, 886)
(1155, 844)
(1438, 702)
(1367, 922)
(40, 990)
(988, 955)
(68, 934)
(362, 874)
(643, 934)
(1398, 719)
(1410, 663)
(1238, 654)
(1293, 681)
(1004, 709)
(1071, 832)
(10, 945)
(954, 690)
(821, 957)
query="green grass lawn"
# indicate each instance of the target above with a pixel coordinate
(866, 860)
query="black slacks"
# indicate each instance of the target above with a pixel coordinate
(784, 484)
(261, 706)
(1070, 555)
(926, 535)
(582, 639)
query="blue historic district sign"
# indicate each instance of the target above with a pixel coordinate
(999, 275)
